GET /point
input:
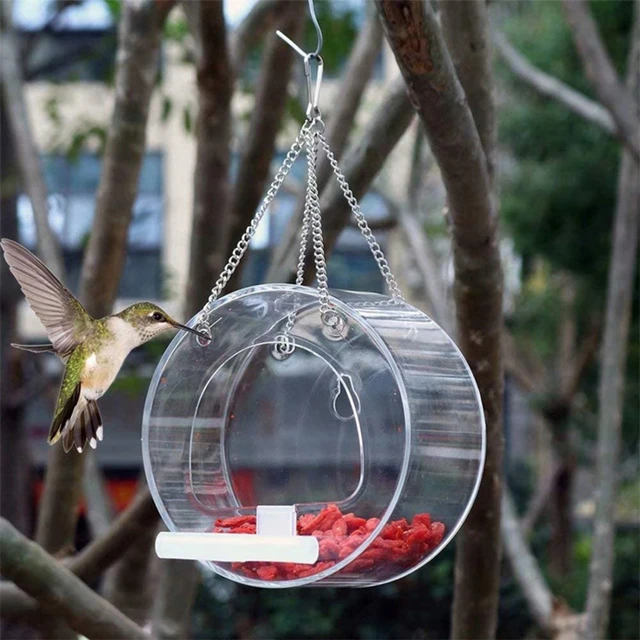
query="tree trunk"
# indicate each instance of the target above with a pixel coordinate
(25, 145)
(260, 143)
(138, 55)
(418, 45)
(354, 82)
(16, 472)
(614, 357)
(213, 130)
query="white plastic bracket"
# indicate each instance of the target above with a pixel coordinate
(276, 541)
(276, 520)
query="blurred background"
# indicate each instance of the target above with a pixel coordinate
(558, 185)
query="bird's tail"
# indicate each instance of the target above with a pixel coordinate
(77, 423)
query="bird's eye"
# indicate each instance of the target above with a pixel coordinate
(158, 316)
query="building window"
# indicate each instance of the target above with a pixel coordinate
(72, 187)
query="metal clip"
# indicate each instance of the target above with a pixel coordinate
(313, 93)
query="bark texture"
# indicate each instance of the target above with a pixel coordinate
(213, 129)
(612, 368)
(466, 34)
(58, 591)
(602, 74)
(418, 45)
(340, 122)
(260, 143)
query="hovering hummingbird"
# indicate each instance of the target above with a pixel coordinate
(92, 349)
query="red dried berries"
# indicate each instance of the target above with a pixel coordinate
(399, 544)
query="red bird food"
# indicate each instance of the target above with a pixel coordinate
(400, 543)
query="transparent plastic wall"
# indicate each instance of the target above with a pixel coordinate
(374, 432)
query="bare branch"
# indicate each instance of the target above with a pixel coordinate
(213, 154)
(178, 582)
(99, 507)
(129, 584)
(553, 88)
(524, 566)
(583, 356)
(259, 145)
(25, 144)
(58, 591)
(602, 74)
(355, 79)
(612, 368)
(428, 268)
(260, 19)
(539, 500)
(94, 559)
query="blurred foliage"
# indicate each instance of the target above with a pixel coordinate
(558, 203)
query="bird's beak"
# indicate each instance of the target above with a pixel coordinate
(184, 327)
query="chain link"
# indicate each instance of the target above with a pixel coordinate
(313, 200)
(377, 252)
(243, 244)
(310, 137)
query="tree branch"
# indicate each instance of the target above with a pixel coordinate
(602, 74)
(26, 148)
(95, 558)
(524, 566)
(428, 268)
(58, 591)
(138, 58)
(354, 82)
(612, 370)
(260, 19)
(260, 143)
(213, 154)
(178, 583)
(129, 584)
(553, 88)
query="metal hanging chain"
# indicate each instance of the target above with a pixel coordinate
(310, 137)
(313, 197)
(363, 225)
(243, 243)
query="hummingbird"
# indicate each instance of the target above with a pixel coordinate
(93, 349)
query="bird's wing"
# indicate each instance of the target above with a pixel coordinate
(65, 319)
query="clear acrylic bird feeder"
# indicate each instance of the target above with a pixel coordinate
(319, 437)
